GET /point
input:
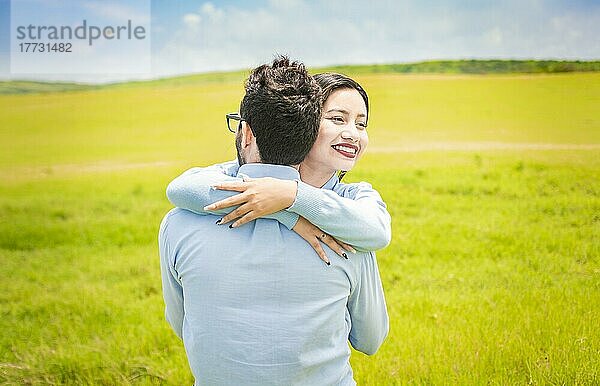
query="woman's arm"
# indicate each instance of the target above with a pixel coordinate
(193, 190)
(354, 213)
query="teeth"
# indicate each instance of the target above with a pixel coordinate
(345, 148)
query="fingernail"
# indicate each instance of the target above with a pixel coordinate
(230, 225)
(345, 256)
(219, 221)
(352, 250)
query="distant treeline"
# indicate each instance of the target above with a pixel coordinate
(430, 67)
(476, 67)
(25, 87)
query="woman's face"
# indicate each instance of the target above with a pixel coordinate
(342, 135)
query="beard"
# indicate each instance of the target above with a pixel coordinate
(238, 148)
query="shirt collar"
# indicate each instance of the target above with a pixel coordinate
(331, 183)
(257, 170)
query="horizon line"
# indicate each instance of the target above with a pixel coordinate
(215, 72)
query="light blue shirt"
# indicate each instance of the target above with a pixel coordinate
(353, 213)
(255, 306)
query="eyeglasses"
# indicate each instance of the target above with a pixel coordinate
(232, 126)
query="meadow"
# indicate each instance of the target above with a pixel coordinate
(492, 181)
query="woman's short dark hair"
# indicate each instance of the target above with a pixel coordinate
(282, 105)
(331, 81)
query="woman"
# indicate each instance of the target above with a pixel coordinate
(319, 207)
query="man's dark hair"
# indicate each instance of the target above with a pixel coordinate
(282, 105)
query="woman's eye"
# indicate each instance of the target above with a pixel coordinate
(337, 119)
(361, 125)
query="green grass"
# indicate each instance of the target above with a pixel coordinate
(427, 67)
(492, 277)
(494, 66)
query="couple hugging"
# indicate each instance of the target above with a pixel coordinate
(243, 284)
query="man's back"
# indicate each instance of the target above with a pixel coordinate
(255, 305)
(260, 307)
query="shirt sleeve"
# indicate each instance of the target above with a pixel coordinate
(360, 218)
(367, 309)
(172, 289)
(193, 191)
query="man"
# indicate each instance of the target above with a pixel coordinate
(250, 306)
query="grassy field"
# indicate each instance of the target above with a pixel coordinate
(493, 183)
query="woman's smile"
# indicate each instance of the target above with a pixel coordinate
(346, 149)
(342, 134)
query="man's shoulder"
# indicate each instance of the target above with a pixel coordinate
(173, 214)
(178, 219)
(229, 168)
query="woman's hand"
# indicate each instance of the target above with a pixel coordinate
(315, 236)
(258, 197)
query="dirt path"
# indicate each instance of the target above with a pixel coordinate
(103, 167)
(31, 172)
(18, 173)
(478, 146)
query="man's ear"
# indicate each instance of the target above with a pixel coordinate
(247, 135)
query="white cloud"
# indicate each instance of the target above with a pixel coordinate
(120, 12)
(340, 32)
(191, 20)
(212, 12)
(217, 37)
(285, 4)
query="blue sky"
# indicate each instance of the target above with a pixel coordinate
(201, 36)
